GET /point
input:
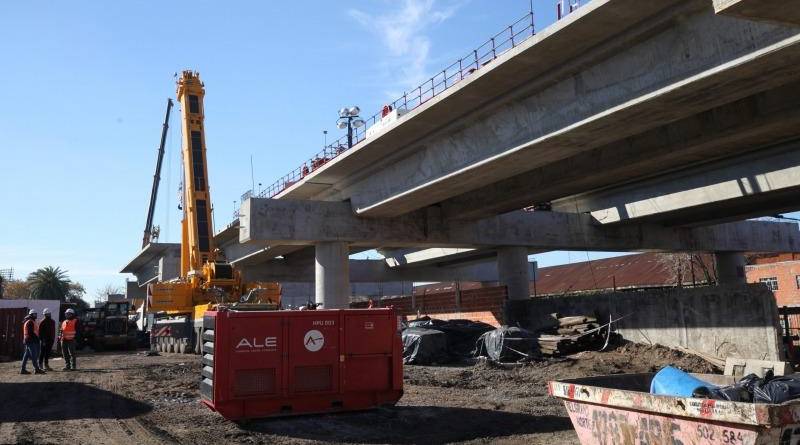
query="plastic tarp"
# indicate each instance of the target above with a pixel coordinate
(508, 344)
(770, 389)
(461, 334)
(424, 346)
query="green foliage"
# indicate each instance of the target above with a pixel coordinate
(49, 283)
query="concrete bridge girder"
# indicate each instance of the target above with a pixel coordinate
(291, 222)
(373, 271)
(759, 184)
(775, 11)
(733, 129)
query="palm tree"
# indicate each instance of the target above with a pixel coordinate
(49, 283)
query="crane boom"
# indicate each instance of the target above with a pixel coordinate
(148, 227)
(197, 198)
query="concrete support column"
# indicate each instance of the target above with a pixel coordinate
(730, 267)
(514, 271)
(332, 275)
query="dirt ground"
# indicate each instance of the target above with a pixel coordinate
(123, 398)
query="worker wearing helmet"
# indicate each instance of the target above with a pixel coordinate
(30, 341)
(68, 338)
(47, 334)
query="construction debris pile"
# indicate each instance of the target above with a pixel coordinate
(570, 335)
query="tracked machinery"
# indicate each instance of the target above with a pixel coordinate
(206, 281)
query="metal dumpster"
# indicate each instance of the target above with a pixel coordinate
(619, 409)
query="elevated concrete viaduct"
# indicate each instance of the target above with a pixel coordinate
(643, 124)
(649, 69)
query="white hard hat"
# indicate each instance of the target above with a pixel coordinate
(45, 311)
(32, 312)
(69, 311)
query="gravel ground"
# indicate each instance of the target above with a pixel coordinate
(123, 398)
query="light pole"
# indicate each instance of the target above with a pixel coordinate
(348, 118)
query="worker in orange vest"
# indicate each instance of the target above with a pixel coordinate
(68, 338)
(30, 341)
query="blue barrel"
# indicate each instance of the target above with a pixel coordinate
(672, 381)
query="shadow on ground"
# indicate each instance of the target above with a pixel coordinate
(54, 401)
(410, 424)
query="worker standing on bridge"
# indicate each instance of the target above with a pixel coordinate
(69, 335)
(47, 334)
(30, 343)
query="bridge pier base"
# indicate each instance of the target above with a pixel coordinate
(730, 267)
(332, 275)
(514, 271)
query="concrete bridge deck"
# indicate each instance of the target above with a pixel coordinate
(619, 91)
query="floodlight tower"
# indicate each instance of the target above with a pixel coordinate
(349, 118)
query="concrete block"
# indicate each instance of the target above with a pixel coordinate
(741, 367)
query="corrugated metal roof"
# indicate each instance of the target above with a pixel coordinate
(628, 271)
(622, 272)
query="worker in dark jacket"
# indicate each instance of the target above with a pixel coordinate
(30, 341)
(47, 334)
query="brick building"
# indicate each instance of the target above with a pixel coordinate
(780, 273)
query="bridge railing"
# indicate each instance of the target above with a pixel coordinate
(505, 40)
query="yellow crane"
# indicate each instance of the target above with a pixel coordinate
(206, 278)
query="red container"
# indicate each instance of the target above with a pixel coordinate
(270, 363)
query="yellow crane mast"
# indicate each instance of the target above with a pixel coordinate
(206, 278)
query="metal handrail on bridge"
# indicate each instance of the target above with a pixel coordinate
(509, 38)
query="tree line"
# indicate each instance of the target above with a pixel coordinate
(46, 283)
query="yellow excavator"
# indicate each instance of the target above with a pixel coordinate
(206, 278)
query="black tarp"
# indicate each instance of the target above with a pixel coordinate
(755, 389)
(461, 334)
(508, 344)
(424, 346)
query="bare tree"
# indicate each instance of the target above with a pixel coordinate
(687, 268)
(101, 294)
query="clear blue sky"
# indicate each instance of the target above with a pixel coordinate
(84, 84)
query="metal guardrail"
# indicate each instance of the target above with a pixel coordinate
(509, 38)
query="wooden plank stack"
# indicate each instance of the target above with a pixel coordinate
(573, 334)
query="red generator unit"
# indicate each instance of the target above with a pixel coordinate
(278, 363)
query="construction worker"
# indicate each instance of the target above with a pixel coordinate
(47, 334)
(30, 341)
(68, 338)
